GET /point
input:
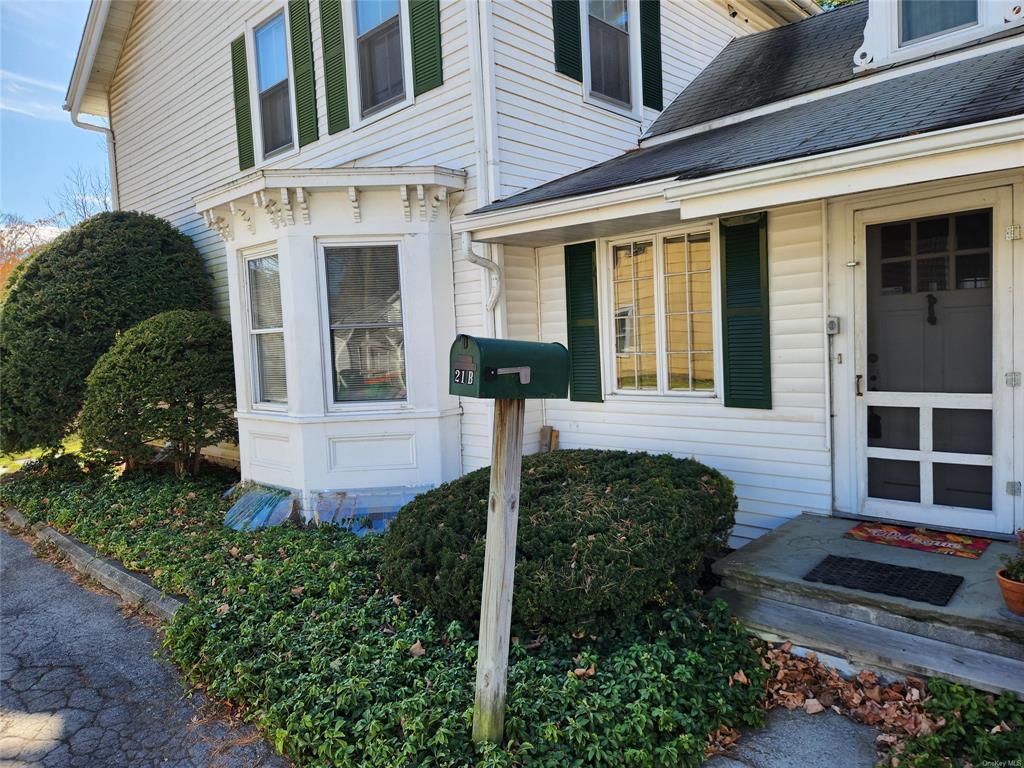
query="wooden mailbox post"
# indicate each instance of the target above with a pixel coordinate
(509, 372)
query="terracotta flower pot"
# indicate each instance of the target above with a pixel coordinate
(1013, 592)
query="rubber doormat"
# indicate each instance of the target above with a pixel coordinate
(920, 539)
(884, 579)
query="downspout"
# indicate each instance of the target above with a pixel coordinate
(74, 106)
(489, 265)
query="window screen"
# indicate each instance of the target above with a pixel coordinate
(379, 43)
(925, 18)
(272, 81)
(608, 25)
(364, 301)
(266, 330)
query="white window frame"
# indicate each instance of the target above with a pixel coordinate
(357, 119)
(251, 254)
(882, 45)
(371, 406)
(607, 314)
(635, 108)
(262, 158)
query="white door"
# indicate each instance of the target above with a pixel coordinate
(934, 413)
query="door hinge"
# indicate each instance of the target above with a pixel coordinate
(1013, 232)
(1013, 378)
(1013, 488)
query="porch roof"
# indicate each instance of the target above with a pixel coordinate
(975, 90)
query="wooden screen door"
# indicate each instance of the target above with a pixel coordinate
(934, 303)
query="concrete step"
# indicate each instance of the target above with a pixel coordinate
(862, 643)
(873, 609)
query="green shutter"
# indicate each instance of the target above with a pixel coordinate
(582, 322)
(332, 37)
(243, 115)
(425, 20)
(565, 21)
(746, 355)
(650, 52)
(302, 70)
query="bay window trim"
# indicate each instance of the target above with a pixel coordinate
(634, 109)
(357, 119)
(607, 314)
(249, 351)
(263, 157)
(383, 407)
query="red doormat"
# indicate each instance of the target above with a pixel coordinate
(919, 538)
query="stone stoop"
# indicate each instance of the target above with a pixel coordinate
(974, 640)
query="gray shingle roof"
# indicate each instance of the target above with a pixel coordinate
(770, 66)
(969, 91)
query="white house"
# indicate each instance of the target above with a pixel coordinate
(784, 242)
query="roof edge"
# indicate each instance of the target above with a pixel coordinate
(92, 33)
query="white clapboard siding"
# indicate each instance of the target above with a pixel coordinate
(778, 459)
(545, 128)
(173, 115)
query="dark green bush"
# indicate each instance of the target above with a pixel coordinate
(294, 626)
(603, 536)
(67, 304)
(169, 380)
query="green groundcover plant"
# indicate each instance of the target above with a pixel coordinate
(604, 537)
(295, 626)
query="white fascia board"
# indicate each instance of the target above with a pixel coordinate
(331, 178)
(871, 78)
(996, 145)
(91, 34)
(648, 197)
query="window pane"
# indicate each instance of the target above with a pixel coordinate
(700, 324)
(271, 53)
(647, 371)
(688, 305)
(921, 18)
(380, 66)
(609, 61)
(271, 383)
(892, 479)
(369, 364)
(703, 371)
(625, 371)
(276, 118)
(679, 372)
(373, 13)
(611, 12)
(962, 485)
(933, 235)
(891, 427)
(932, 274)
(974, 270)
(678, 333)
(974, 230)
(265, 292)
(365, 312)
(962, 431)
(895, 240)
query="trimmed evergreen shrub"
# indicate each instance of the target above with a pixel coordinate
(168, 379)
(66, 306)
(603, 536)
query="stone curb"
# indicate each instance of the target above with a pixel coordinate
(131, 588)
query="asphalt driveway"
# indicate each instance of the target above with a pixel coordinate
(80, 688)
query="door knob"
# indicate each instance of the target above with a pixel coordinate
(858, 380)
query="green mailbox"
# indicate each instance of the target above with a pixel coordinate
(507, 370)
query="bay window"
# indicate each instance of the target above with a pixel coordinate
(367, 337)
(266, 330)
(663, 321)
(379, 47)
(273, 85)
(608, 33)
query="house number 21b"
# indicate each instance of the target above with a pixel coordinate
(463, 377)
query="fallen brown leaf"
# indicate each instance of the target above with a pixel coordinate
(417, 649)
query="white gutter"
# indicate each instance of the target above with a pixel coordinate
(490, 266)
(90, 43)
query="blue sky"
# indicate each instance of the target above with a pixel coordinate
(38, 143)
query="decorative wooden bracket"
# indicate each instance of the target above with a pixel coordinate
(422, 199)
(268, 204)
(303, 201)
(353, 197)
(243, 214)
(403, 192)
(440, 196)
(219, 224)
(286, 207)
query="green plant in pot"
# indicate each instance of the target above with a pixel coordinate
(1011, 577)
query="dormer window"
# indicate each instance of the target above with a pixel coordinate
(924, 19)
(898, 31)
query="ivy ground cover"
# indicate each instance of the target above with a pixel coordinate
(294, 626)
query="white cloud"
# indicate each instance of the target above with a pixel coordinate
(31, 96)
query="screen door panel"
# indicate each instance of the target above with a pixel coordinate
(927, 408)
